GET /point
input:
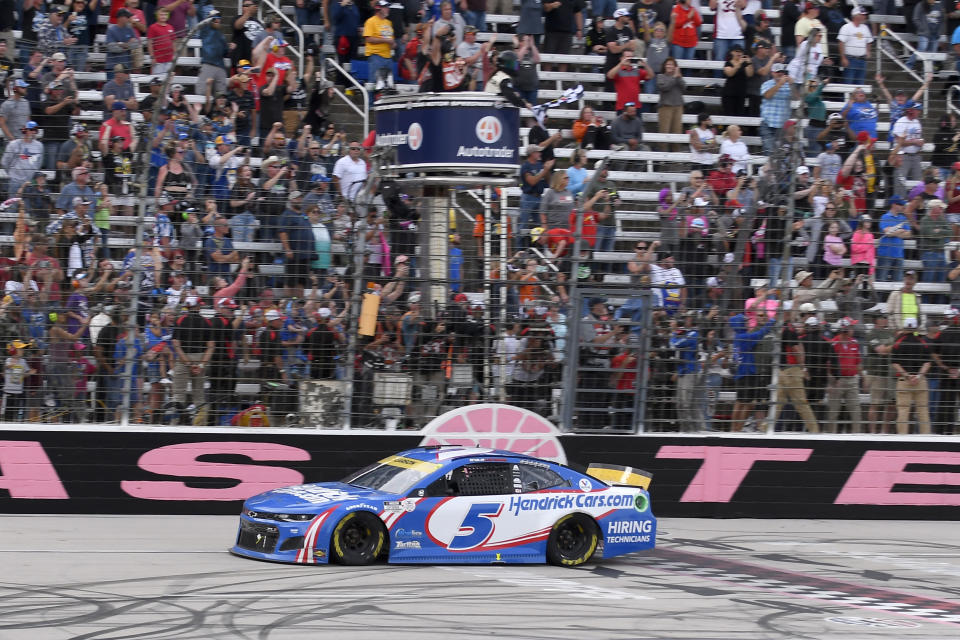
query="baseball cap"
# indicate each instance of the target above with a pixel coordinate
(895, 199)
(78, 127)
(414, 297)
(835, 116)
(532, 147)
(846, 322)
(812, 321)
(21, 83)
(698, 222)
(319, 177)
(244, 64)
(324, 312)
(223, 140)
(864, 137)
(699, 202)
(536, 232)
(778, 67)
(621, 13)
(155, 82)
(808, 307)
(910, 323)
(461, 297)
(951, 312)
(469, 29)
(811, 5)
(915, 105)
(176, 87)
(802, 170)
(910, 272)
(272, 314)
(936, 202)
(295, 195)
(30, 124)
(859, 11)
(725, 159)
(383, 3)
(118, 106)
(802, 275)
(191, 301)
(58, 56)
(713, 281)
(761, 16)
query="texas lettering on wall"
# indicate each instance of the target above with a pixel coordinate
(211, 472)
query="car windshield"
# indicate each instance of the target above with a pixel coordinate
(395, 474)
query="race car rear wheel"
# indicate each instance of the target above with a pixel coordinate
(358, 539)
(573, 540)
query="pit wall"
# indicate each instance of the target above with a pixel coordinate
(63, 470)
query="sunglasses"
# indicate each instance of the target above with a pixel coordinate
(641, 247)
(354, 148)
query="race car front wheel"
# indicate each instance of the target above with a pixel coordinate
(573, 540)
(358, 539)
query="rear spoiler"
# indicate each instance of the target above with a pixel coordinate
(618, 475)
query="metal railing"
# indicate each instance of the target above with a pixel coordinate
(927, 63)
(365, 112)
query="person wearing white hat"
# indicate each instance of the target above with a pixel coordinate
(774, 106)
(806, 291)
(844, 389)
(193, 346)
(853, 43)
(911, 361)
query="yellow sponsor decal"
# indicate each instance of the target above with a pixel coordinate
(409, 463)
(617, 475)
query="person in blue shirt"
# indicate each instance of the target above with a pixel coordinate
(751, 388)
(686, 341)
(861, 115)
(954, 42)
(455, 266)
(213, 49)
(295, 233)
(890, 250)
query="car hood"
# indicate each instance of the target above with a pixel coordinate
(316, 496)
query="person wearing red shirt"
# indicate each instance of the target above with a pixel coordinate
(627, 77)
(271, 53)
(624, 368)
(685, 20)
(844, 390)
(723, 180)
(44, 269)
(160, 37)
(116, 126)
(853, 178)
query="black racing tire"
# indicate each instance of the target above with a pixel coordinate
(573, 540)
(358, 539)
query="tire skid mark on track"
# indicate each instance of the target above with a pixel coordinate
(805, 586)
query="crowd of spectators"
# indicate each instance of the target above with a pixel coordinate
(257, 199)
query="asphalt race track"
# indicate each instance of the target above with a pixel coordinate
(170, 577)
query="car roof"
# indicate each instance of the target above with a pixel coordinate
(446, 453)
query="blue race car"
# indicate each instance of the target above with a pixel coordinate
(453, 504)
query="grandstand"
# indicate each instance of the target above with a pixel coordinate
(222, 299)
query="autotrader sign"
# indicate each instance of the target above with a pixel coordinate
(437, 132)
(64, 470)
